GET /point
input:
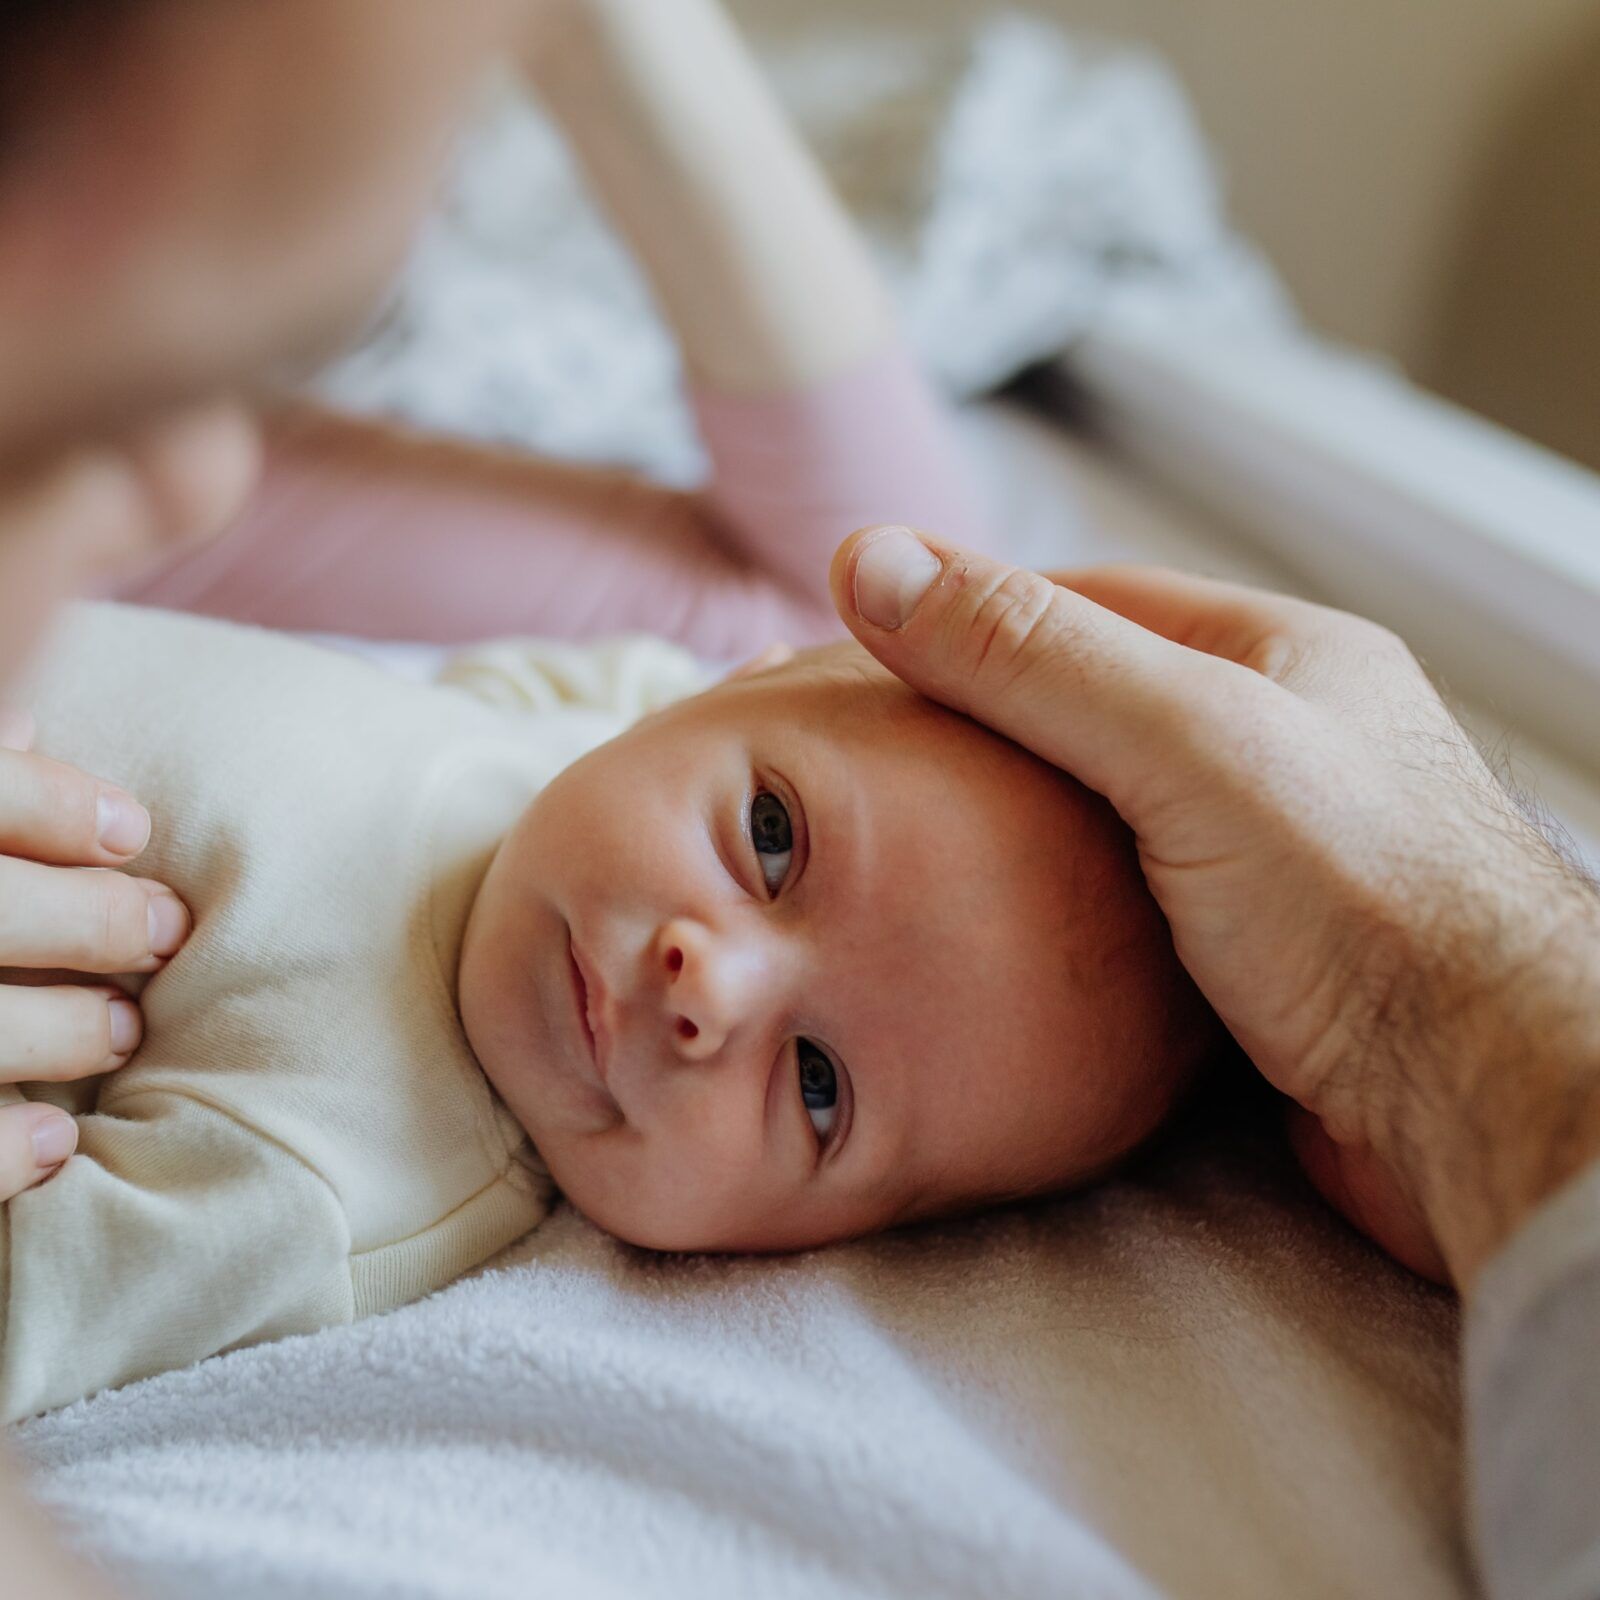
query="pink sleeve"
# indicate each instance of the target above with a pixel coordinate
(369, 530)
(792, 474)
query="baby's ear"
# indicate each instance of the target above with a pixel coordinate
(775, 655)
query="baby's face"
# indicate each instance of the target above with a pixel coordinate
(806, 956)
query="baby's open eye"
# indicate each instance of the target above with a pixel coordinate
(819, 1086)
(773, 836)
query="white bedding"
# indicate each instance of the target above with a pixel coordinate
(1193, 1382)
(1019, 185)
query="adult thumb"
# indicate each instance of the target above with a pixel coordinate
(1085, 689)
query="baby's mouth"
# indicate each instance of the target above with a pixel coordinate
(588, 997)
(580, 983)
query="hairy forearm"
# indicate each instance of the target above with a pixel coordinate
(751, 257)
(1502, 1100)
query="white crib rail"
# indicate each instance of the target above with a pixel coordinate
(1481, 549)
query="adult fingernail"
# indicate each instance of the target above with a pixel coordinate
(126, 1028)
(169, 924)
(54, 1140)
(894, 570)
(123, 824)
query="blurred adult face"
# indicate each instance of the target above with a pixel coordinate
(194, 195)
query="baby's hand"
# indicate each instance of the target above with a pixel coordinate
(1358, 1185)
(54, 823)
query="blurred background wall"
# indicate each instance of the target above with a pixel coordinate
(1425, 173)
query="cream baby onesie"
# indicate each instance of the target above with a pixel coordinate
(304, 1137)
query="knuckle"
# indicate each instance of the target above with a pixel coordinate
(1371, 639)
(1387, 646)
(56, 1034)
(1354, 629)
(71, 799)
(1328, 652)
(1012, 621)
(50, 799)
(118, 921)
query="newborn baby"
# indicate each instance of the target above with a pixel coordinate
(788, 960)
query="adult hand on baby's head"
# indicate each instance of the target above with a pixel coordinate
(55, 822)
(1359, 899)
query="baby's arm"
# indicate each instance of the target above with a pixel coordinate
(172, 1233)
(815, 419)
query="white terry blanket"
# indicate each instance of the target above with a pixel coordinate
(1018, 184)
(1190, 1383)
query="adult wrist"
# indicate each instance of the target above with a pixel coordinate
(1505, 1109)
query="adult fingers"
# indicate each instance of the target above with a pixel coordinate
(1250, 626)
(86, 920)
(1084, 688)
(61, 1032)
(1315, 651)
(34, 1141)
(53, 813)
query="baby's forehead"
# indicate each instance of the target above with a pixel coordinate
(843, 678)
(838, 702)
(842, 665)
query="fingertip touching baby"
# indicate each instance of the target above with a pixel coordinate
(806, 956)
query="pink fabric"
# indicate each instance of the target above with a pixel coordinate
(367, 530)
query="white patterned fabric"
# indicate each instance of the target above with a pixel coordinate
(1017, 185)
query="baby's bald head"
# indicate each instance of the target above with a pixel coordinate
(864, 962)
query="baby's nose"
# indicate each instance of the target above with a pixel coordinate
(710, 981)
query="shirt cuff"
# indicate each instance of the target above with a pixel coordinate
(1532, 1373)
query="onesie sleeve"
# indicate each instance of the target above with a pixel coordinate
(174, 1232)
(1533, 1404)
(624, 678)
(793, 473)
